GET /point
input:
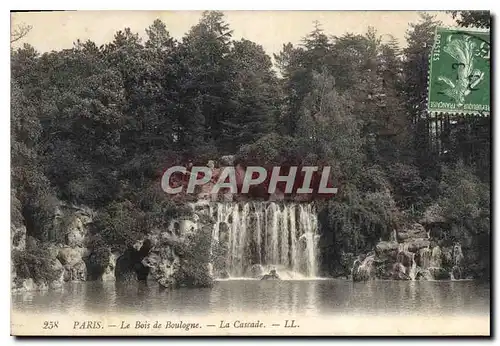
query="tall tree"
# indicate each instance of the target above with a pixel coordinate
(205, 82)
(479, 19)
(420, 38)
(255, 95)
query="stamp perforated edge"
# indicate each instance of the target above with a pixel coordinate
(434, 113)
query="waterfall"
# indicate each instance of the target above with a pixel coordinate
(436, 257)
(309, 225)
(458, 257)
(413, 268)
(407, 257)
(258, 232)
(276, 236)
(425, 258)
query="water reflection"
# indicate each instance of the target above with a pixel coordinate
(292, 297)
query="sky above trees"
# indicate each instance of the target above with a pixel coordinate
(58, 30)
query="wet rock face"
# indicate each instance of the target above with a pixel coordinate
(76, 232)
(405, 258)
(416, 244)
(27, 285)
(19, 285)
(129, 266)
(399, 272)
(456, 273)
(384, 247)
(153, 257)
(415, 231)
(271, 276)
(109, 270)
(364, 268)
(77, 272)
(415, 256)
(72, 260)
(163, 263)
(73, 221)
(227, 160)
(439, 273)
(101, 263)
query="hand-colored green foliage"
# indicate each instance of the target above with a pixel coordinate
(98, 125)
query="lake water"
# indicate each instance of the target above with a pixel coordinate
(304, 297)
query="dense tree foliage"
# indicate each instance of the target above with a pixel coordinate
(98, 125)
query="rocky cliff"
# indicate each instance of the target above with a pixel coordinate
(413, 253)
(160, 256)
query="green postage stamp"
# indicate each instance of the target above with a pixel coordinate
(459, 76)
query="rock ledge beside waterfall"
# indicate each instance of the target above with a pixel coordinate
(172, 257)
(411, 254)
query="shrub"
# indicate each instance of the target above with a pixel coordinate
(35, 263)
(118, 225)
(195, 257)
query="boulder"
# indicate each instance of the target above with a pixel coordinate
(364, 268)
(162, 264)
(101, 265)
(28, 284)
(405, 258)
(271, 276)
(70, 256)
(73, 221)
(227, 160)
(424, 275)
(456, 273)
(75, 272)
(221, 274)
(414, 231)
(399, 272)
(414, 245)
(187, 226)
(447, 257)
(109, 270)
(76, 233)
(439, 273)
(59, 268)
(385, 247)
(72, 259)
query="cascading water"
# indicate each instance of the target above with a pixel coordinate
(436, 257)
(425, 258)
(411, 269)
(458, 257)
(275, 236)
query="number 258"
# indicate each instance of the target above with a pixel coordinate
(50, 324)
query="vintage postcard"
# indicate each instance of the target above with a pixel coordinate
(250, 173)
